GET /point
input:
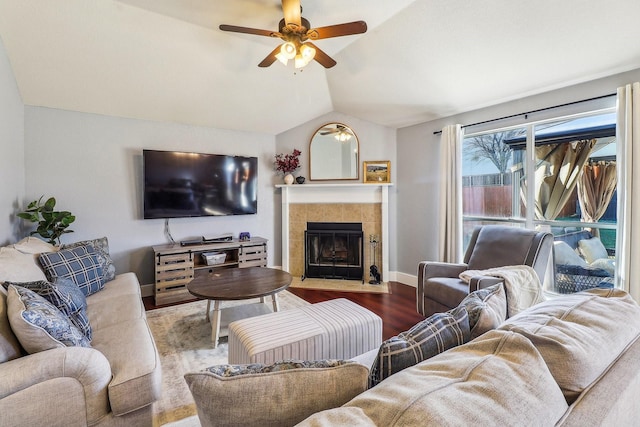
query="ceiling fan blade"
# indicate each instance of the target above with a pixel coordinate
(325, 60)
(291, 10)
(254, 31)
(357, 27)
(270, 59)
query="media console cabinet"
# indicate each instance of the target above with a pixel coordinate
(177, 265)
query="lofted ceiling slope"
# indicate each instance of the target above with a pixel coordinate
(166, 60)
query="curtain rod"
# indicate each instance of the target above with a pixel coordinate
(526, 113)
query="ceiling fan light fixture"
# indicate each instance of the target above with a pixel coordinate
(305, 55)
(343, 136)
(287, 52)
(294, 30)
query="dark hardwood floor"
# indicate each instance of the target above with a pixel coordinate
(397, 309)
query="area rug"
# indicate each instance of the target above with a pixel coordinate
(340, 285)
(183, 337)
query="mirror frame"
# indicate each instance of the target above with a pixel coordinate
(357, 166)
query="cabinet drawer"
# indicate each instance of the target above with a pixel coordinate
(174, 259)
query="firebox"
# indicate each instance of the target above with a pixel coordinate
(334, 250)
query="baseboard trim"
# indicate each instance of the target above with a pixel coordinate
(404, 278)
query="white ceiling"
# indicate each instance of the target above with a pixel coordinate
(166, 60)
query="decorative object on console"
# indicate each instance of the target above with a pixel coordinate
(244, 236)
(287, 164)
(51, 224)
(377, 171)
(214, 258)
(295, 31)
(288, 179)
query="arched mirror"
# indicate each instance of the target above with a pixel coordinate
(333, 153)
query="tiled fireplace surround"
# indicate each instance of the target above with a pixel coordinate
(364, 203)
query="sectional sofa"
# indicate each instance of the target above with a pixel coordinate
(112, 380)
(569, 361)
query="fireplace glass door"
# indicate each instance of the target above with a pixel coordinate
(334, 254)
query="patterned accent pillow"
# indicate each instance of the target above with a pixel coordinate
(427, 338)
(38, 324)
(78, 264)
(66, 296)
(487, 309)
(101, 248)
(285, 365)
(283, 394)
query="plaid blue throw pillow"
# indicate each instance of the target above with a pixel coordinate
(101, 248)
(427, 338)
(78, 264)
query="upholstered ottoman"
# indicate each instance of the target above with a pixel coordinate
(335, 329)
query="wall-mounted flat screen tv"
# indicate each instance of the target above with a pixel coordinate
(180, 184)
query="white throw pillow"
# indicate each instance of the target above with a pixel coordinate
(16, 266)
(34, 246)
(607, 265)
(565, 255)
(592, 249)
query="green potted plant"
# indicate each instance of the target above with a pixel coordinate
(51, 223)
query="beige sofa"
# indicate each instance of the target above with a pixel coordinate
(570, 361)
(114, 382)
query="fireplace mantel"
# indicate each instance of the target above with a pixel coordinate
(337, 193)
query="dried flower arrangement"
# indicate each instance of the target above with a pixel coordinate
(288, 163)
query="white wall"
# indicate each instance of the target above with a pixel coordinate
(376, 143)
(12, 186)
(417, 181)
(92, 164)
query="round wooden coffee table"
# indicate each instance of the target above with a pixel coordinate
(230, 284)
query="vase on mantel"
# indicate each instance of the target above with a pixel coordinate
(288, 179)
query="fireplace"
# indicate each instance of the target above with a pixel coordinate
(334, 250)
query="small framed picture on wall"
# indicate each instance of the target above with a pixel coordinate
(378, 171)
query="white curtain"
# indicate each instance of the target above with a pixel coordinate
(559, 166)
(628, 157)
(596, 186)
(450, 214)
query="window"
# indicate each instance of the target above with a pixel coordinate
(571, 163)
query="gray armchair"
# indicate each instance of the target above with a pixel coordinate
(439, 286)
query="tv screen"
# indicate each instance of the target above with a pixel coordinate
(179, 184)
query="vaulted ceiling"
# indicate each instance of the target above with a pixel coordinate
(166, 60)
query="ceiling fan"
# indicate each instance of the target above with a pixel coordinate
(335, 128)
(296, 32)
(339, 131)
